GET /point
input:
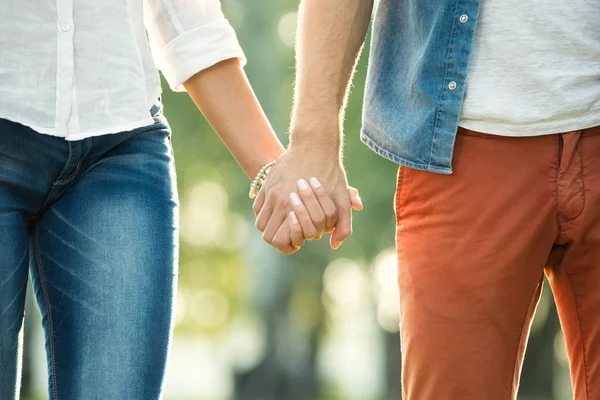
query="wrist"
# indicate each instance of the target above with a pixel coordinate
(260, 179)
(259, 157)
(319, 137)
(316, 151)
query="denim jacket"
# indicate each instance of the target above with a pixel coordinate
(416, 80)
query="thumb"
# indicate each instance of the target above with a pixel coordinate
(355, 200)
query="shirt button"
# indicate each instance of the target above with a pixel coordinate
(464, 18)
(452, 85)
(65, 26)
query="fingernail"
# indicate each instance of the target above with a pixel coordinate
(314, 182)
(295, 199)
(303, 184)
(294, 218)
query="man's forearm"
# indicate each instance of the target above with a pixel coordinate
(226, 99)
(330, 37)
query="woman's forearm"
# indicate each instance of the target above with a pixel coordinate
(225, 97)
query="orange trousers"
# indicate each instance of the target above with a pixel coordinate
(472, 251)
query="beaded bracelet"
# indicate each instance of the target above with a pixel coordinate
(260, 178)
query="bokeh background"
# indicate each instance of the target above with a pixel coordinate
(254, 325)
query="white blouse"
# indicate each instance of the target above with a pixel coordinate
(81, 68)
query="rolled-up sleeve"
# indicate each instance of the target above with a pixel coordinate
(187, 36)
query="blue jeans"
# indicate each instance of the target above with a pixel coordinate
(94, 222)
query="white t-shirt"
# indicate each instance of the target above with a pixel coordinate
(535, 68)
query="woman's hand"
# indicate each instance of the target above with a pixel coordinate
(301, 220)
(313, 214)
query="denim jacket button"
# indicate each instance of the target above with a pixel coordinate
(464, 18)
(452, 85)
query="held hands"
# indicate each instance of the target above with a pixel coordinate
(305, 196)
(307, 216)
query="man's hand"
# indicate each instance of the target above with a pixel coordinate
(328, 204)
(330, 36)
(299, 220)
